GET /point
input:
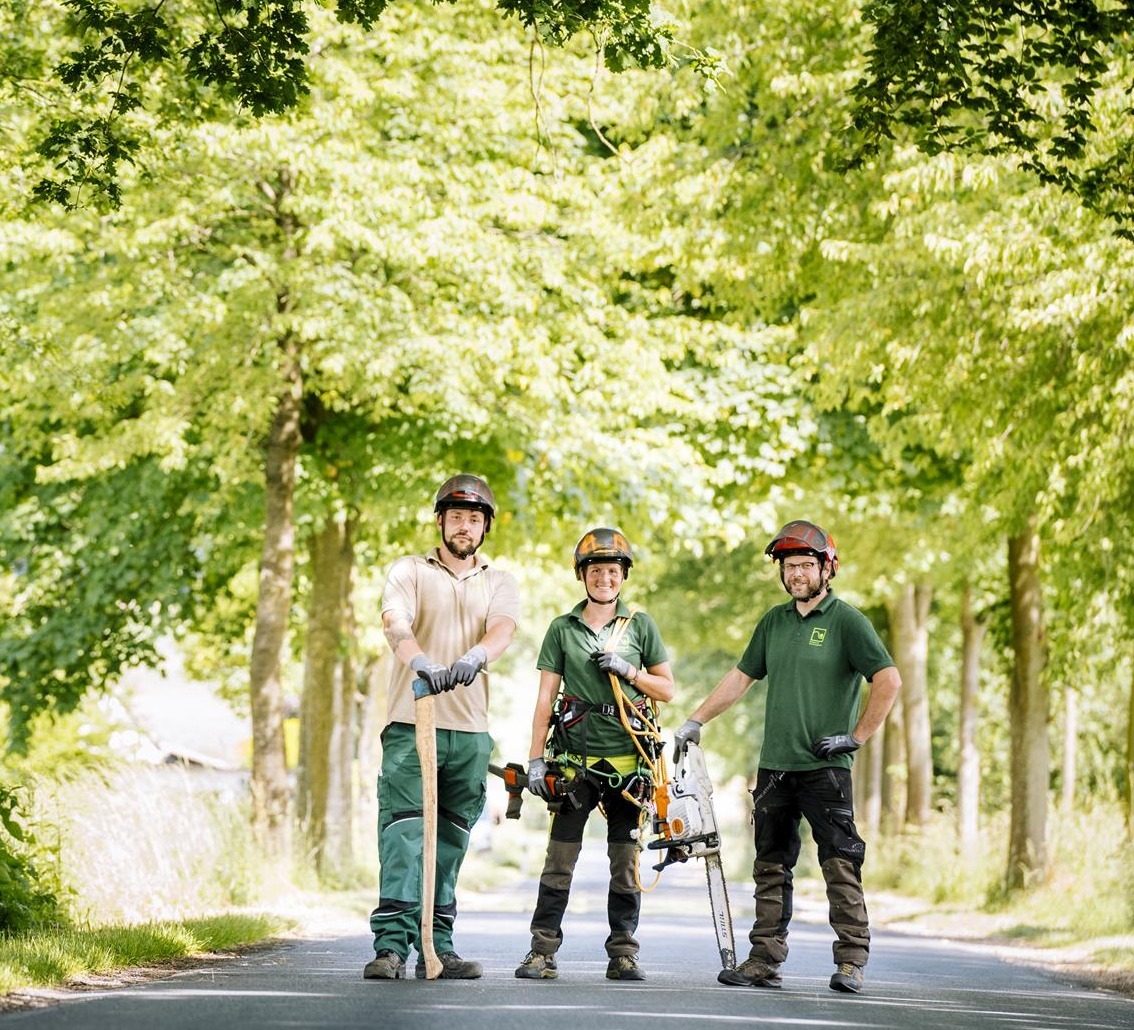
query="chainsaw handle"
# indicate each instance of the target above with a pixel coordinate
(668, 842)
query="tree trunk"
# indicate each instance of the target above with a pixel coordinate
(1028, 715)
(340, 797)
(868, 772)
(894, 766)
(910, 622)
(968, 771)
(1130, 762)
(372, 717)
(1069, 765)
(277, 561)
(324, 719)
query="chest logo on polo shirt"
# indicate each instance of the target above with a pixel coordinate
(818, 635)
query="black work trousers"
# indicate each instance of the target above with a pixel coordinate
(824, 798)
(565, 842)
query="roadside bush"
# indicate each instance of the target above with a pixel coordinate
(25, 902)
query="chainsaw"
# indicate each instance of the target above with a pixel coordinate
(689, 830)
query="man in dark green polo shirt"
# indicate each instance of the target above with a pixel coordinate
(815, 652)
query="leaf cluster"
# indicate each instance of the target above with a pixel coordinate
(255, 55)
(90, 595)
(627, 30)
(1020, 77)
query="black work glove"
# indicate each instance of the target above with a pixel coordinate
(690, 733)
(608, 661)
(537, 778)
(839, 744)
(465, 668)
(437, 676)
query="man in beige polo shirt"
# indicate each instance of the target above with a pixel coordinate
(446, 614)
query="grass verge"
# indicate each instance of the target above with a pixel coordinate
(53, 958)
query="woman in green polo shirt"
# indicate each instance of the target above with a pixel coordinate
(597, 736)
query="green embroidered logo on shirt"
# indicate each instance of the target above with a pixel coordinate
(818, 635)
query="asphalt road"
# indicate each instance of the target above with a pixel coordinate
(912, 983)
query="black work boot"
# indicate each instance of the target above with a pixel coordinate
(453, 967)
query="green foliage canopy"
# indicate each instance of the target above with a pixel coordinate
(1049, 82)
(114, 67)
(668, 312)
(461, 298)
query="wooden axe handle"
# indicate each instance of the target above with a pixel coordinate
(425, 735)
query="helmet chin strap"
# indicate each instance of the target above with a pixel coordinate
(816, 593)
(594, 600)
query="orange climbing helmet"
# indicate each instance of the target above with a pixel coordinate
(600, 545)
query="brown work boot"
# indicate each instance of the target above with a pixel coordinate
(537, 967)
(847, 978)
(752, 973)
(386, 965)
(624, 967)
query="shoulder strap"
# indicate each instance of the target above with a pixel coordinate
(619, 631)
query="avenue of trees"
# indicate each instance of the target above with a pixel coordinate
(791, 260)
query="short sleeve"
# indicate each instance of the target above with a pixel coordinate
(400, 592)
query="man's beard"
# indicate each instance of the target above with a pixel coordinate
(461, 551)
(807, 592)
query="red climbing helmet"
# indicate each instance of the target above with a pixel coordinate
(801, 537)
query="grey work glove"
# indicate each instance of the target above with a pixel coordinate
(839, 744)
(690, 733)
(608, 661)
(537, 778)
(465, 668)
(437, 676)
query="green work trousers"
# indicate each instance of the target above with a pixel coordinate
(462, 767)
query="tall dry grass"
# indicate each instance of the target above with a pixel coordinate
(136, 844)
(1087, 891)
